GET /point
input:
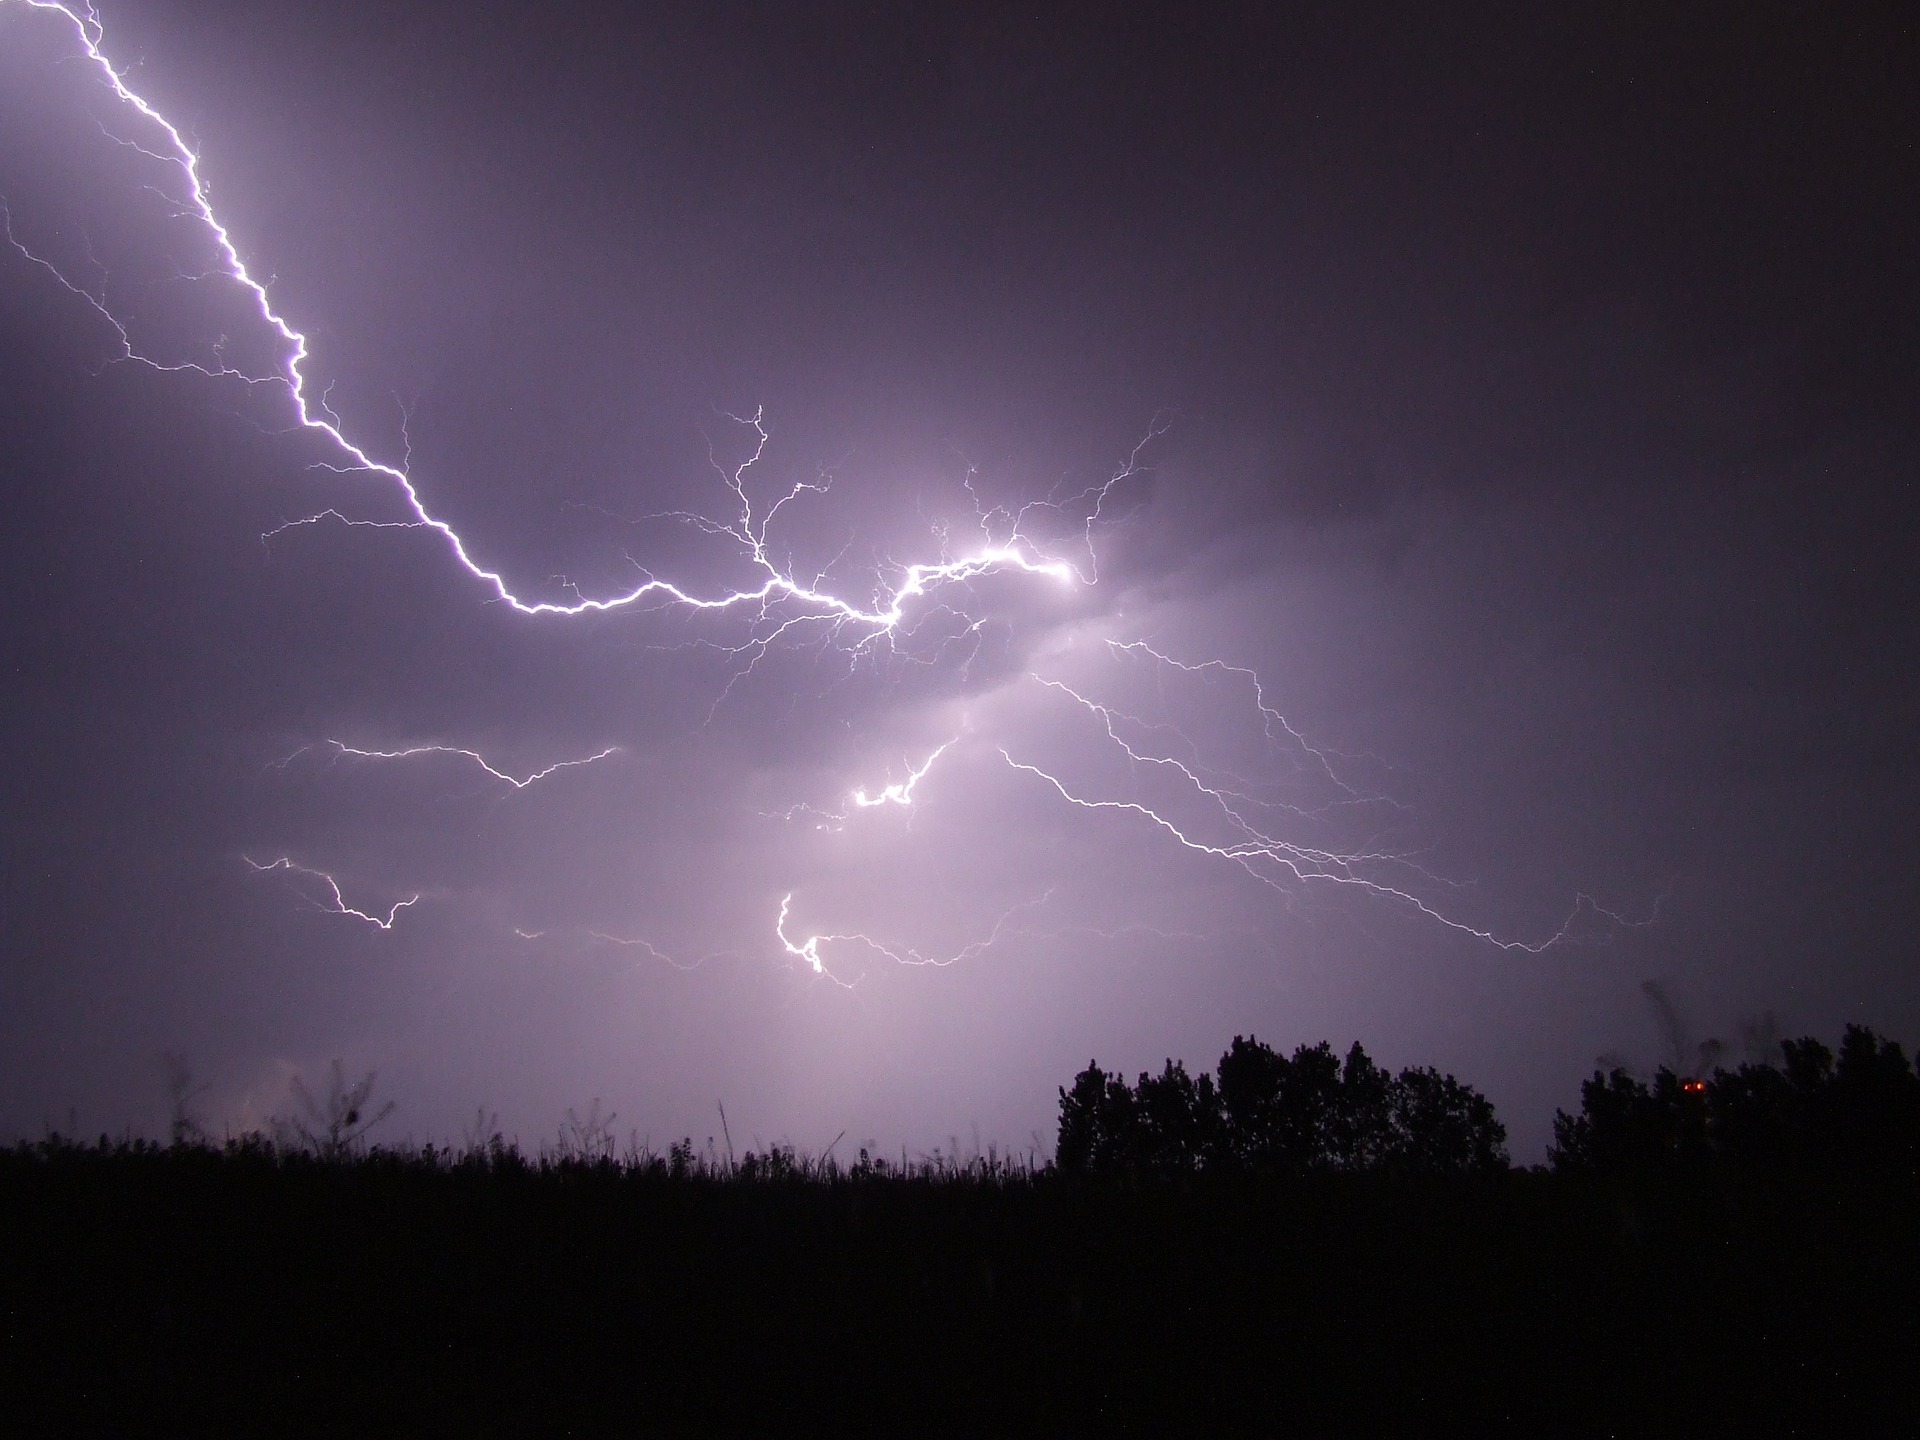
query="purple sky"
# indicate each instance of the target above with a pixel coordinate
(1529, 401)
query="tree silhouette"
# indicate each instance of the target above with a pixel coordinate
(1271, 1114)
(1628, 1126)
(1442, 1127)
(1178, 1119)
(1859, 1111)
(1097, 1124)
(1872, 1110)
(1280, 1113)
(1362, 1133)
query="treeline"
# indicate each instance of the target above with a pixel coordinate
(1264, 1113)
(1306, 1238)
(1260, 1114)
(1858, 1111)
(248, 1289)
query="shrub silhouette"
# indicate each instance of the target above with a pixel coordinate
(1270, 1114)
(184, 1126)
(333, 1128)
(1859, 1111)
(587, 1139)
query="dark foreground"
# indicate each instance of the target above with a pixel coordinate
(192, 1292)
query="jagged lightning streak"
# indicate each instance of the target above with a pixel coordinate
(518, 782)
(1272, 723)
(805, 602)
(653, 951)
(901, 793)
(339, 906)
(779, 603)
(808, 950)
(1004, 929)
(1269, 858)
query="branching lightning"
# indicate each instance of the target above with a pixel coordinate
(339, 905)
(898, 793)
(1004, 929)
(1218, 813)
(779, 601)
(1273, 724)
(653, 951)
(901, 793)
(1229, 802)
(808, 950)
(518, 782)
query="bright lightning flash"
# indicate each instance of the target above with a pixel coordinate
(902, 792)
(899, 793)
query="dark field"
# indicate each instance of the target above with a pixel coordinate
(183, 1290)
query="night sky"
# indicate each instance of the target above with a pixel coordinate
(1528, 397)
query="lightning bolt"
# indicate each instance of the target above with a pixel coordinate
(653, 951)
(339, 906)
(623, 942)
(901, 793)
(780, 605)
(808, 950)
(518, 782)
(1272, 722)
(895, 793)
(779, 600)
(1274, 861)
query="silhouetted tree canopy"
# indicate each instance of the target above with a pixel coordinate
(1857, 1111)
(1269, 1114)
